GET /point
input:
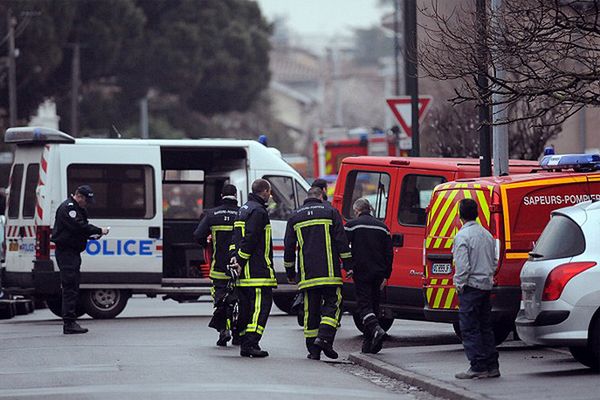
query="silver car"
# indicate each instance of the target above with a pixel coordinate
(560, 285)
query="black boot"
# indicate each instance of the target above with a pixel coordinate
(377, 341)
(253, 352)
(314, 352)
(326, 347)
(73, 328)
(224, 337)
(366, 345)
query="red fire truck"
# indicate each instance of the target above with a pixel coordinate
(515, 209)
(330, 149)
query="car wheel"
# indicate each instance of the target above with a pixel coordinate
(585, 356)
(501, 331)
(54, 304)
(104, 303)
(385, 323)
(284, 302)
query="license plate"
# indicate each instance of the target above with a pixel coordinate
(441, 268)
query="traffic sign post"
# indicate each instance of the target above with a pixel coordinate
(401, 107)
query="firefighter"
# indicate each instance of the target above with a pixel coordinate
(218, 223)
(372, 253)
(251, 253)
(317, 228)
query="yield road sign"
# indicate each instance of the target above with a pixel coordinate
(402, 109)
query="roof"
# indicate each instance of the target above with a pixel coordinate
(209, 142)
(522, 178)
(434, 163)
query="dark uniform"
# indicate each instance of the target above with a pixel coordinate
(252, 246)
(317, 229)
(218, 222)
(372, 252)
(71, 233)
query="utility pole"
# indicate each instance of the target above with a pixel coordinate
(75, 80)
(396, 48)
(500, 113)
(12, 70)
(485, 160)
(412, 78)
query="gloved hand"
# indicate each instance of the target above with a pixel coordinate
(234, 269)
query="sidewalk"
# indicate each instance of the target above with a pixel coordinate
(527, 372)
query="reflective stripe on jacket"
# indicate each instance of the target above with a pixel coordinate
(372, 249)
(218, 222)
(252, 245)
(316, 229)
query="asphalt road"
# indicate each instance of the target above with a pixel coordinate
(157, 350)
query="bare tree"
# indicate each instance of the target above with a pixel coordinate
(550, 50)
(453, 129)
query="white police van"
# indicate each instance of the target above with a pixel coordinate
(151, 193)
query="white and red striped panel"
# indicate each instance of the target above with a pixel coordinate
(12, 231)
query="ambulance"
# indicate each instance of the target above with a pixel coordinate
(150, 193)
(399, 189)
(515, 209)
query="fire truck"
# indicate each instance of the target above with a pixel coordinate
(399, 189)
(333, 145)
(515, 209)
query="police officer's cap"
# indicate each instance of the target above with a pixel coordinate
(87, 192)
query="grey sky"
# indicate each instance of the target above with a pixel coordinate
(323, 17)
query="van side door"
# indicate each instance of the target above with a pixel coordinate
(126, 182)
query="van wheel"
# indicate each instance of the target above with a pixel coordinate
(284, 302)
(385, 323)
(104, 303)
(54, 304)
(501, 331)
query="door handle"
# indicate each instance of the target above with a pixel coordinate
(397, 240)
(154, 232)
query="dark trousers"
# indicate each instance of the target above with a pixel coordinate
(255, 306)
(475, 317)
(69, 264)
(224, 302)
(322, 313)
(367, 299)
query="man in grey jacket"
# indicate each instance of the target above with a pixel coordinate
(474, 261)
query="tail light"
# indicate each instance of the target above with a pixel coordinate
(42, 243)
(560, 276)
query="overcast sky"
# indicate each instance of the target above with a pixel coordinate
(323, 17)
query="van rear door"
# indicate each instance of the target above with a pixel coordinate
(126, 182)
(443, 223)
(21, 207)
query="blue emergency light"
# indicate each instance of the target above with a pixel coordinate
(577, 162)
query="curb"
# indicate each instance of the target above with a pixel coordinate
(434, 386)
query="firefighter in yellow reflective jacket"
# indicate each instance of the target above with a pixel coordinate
(252, 251)
(317, 229)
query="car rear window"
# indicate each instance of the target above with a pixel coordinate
(561, 238)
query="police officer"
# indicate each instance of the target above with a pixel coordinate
(70, 234)
(218, 222)
(372, 252)
(252, 253)
(317, 228)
